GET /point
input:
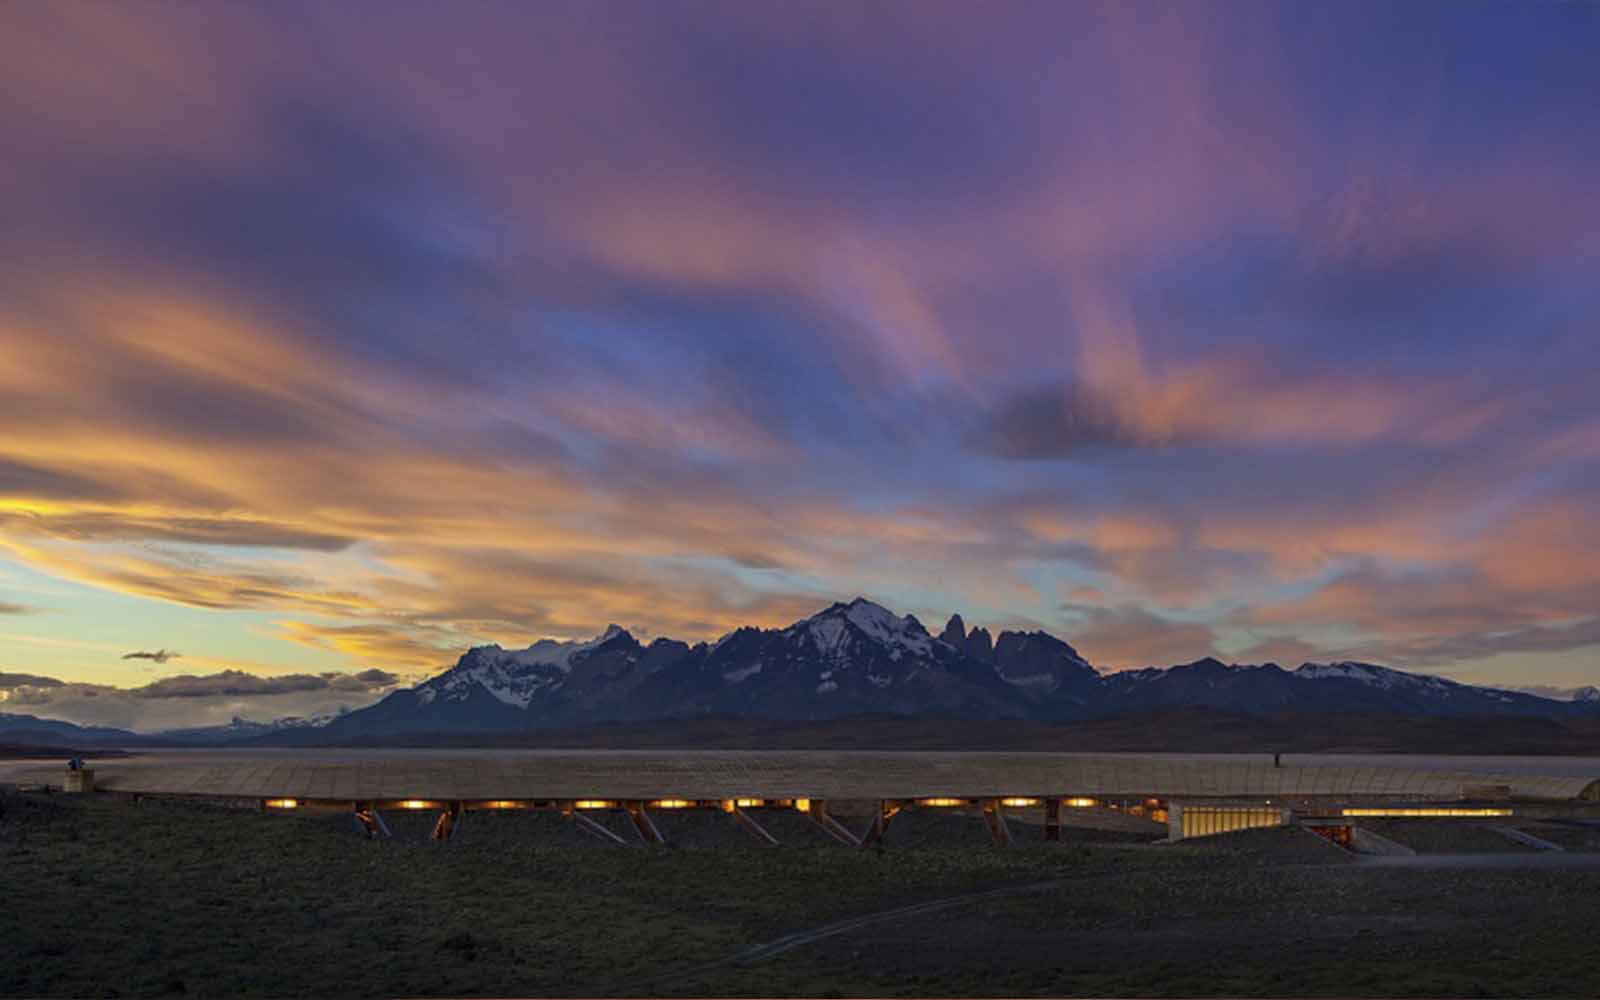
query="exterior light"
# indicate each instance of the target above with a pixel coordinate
(502, 804)
(804, 805)
(594, 804)
(942, 803)
(283, 803)
(414, 804)
(749, 803)
(672, 803)
(1081, 803)
(1019, 803)
(1442, 812)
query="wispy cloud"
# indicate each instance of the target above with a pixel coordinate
(1263, 353)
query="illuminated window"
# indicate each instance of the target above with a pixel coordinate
(941, 803)
(1409, 811)
(671, 804)
(1206, 821)
(283, 803)
(1019, 803)
(804, 805)
(1080, 803)
(594, 804)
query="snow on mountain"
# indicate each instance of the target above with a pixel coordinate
(861, 658)
(1384, 678)
(834, 629)
(514, 677)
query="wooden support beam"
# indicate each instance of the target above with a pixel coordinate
(1052, 819)
(371, 821)
(750, 825)
(995, 818)
(445, 827)
(821, 817)
(873, 835)
(643, 825)
(589, 826)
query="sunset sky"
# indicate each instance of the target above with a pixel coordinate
(336, 338)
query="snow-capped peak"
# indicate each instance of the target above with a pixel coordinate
(553, 653)
(1371, 674)
(515, 676)
(831, 629)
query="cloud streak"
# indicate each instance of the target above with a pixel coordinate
(494, 325)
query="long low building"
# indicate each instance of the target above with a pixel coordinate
(346, 776)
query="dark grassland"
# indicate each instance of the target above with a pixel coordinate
(103, 897)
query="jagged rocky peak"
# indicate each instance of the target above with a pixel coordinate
(980, 645)
(977, 644)
(955, 632)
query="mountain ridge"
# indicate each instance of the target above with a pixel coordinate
(854, 659)
(858, 658)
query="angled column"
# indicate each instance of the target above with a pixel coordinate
(873, 835)
(748, 822)
(643, 825)
(995, 819)
(445, 827)
(1052, 819)
(819, 815)
(371, 821)
(589, 826)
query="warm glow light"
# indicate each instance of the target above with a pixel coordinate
(750, 803)
(1410, 811)
(414, 804)
(1081, 803)
(672, 803)
(283, 803)
(804, 805)
(941, 803)
(1019, 803)
(594, 804)
(502, 804)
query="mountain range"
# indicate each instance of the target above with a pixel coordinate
(859, 658)
(849, 660)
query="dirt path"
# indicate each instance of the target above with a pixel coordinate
(1530, 860)
(798, 939)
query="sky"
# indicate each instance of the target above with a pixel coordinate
(337, 338)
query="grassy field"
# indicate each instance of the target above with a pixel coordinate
(113, 898)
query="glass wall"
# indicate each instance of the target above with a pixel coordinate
(1204, 821)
